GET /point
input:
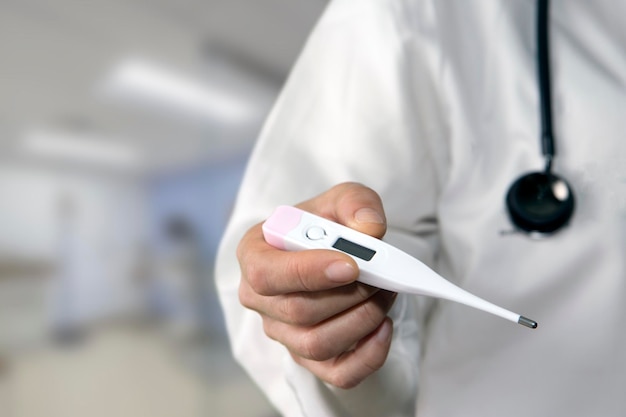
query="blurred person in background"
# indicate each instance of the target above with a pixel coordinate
(177, 290)
(433, 106)
(72, 268)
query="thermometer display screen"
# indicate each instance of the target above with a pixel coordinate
(354, 249)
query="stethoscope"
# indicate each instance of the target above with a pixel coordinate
(540, 203)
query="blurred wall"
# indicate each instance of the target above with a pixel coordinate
(85, 227)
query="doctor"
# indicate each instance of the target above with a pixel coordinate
(434, 107)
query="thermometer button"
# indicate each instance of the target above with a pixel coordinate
(315, 233)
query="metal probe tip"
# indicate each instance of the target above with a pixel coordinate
(524, 321)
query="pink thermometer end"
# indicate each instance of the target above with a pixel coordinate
(282, 221)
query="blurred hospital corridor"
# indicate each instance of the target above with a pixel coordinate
(131, 371)
(125, 129)
(107, 300)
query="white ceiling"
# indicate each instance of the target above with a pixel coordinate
(55, 56)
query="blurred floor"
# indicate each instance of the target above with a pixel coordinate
(128, 371)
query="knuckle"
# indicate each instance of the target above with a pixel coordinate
(364, 291)
(256, 278)
(296, 311)
(270, 330)
(375, 362)
(240, 252)
(356, 189)
(243, 249)
(312, 346)
(370, 315)
(298, 269)
(246, 296)
(343, 380)
(348, 380)
(351, 186)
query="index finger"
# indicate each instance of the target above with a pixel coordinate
(270, 271)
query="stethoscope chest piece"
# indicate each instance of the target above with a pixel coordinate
(540, 203)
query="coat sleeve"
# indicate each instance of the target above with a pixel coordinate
(349, 112)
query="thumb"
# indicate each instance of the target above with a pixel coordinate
(353, 205)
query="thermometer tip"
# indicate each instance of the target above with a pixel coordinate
(524, 321)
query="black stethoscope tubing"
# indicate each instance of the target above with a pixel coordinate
(543, 75)
(541, 203)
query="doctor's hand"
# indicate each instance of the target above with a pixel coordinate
(309, 301)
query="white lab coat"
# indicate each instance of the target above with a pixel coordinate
(434, 105)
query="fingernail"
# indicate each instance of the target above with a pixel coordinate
(340, 272)
(384, 333)
(368, 215)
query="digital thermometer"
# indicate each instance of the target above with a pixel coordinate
(380, 264)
